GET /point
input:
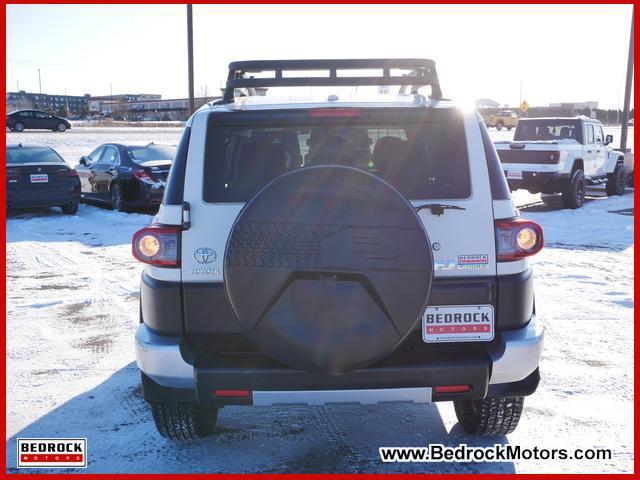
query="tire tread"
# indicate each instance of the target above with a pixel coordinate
(178, 421)
(491, 416)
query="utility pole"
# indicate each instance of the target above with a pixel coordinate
(190, 57)
(627, 92)
(17, 86)
(40, 81)
(110, 97)
(520, 102)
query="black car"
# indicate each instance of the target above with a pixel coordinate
(126, 176)
(36, 119)
(38, 177)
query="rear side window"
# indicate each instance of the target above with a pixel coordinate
(173, 193)
(32, 155)
(424, 158)
(499, 186)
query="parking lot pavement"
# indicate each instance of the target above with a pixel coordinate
(72, 309)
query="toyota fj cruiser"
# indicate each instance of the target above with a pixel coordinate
(337, 250)
(562, 155)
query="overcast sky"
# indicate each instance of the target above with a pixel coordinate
(557, 53)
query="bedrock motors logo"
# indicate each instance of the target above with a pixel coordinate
(52, 452)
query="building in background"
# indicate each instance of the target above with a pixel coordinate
(148, 110)
(72, 104)
(577, 108)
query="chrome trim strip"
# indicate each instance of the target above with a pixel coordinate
(323, 397)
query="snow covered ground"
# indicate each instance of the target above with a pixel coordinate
(72, 293)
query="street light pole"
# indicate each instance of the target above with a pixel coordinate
(627, 92)
(40, 81)
(190, 57)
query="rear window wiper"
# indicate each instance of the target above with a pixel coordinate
(438, 208)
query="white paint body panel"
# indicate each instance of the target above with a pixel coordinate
(458, 232)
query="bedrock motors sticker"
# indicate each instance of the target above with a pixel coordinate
(460, 323)
(480, 260)
(52, 452)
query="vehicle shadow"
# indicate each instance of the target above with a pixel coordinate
(121, 436)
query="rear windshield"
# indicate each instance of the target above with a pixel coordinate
(32, 155)
(423, 157)
(151, 152)
(546, 130)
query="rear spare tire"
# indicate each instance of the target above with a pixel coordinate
(328, 269)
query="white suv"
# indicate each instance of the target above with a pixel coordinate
(562, 155)
(336, 251)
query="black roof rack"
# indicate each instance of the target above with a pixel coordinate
(422, 73)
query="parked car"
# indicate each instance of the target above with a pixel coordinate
(36, 119)
(126, 176)
(38, 177)
(562, 155)
(504, 119)
(285, 268)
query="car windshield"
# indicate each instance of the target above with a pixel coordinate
(32, 155)
(151, 152)
(545, 130)
(422, 156)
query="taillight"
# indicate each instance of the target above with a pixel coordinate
(335, 112)
(67, 172)
(157, 246)
(517, 238)
(144, 176)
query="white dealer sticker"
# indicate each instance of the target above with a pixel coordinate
(480, 260)
(459, 323)
(39, 178)
(514, 175)
(52, 452)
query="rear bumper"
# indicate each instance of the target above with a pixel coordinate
(513, 360)
(537, 181)
(29, 201)
(148, 195)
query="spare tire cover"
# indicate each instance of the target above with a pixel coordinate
(328, 269)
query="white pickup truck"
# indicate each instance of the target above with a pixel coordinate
(562, 155)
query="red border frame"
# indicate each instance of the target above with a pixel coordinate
(3, 474)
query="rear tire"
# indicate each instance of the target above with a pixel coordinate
(617, 181)
(70, 208)
(574, 192)
(184, 421)
(19, 127)
(490, 416)
(117, 198)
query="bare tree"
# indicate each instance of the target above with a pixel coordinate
(203, 91)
